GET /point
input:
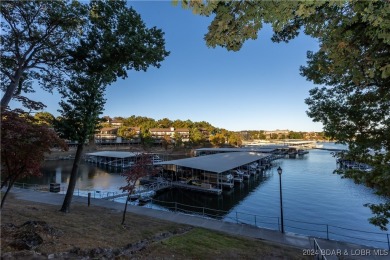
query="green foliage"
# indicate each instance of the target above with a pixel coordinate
(295, 135)
(234, 139)
(126, 132)
(144, 123)
(182, 124)
(34, 38)
(351, 65)
(382, 214)
(113, 40)
(218, 139)
(82, 104)
(196, 136)
(147, 140)
(178, 139)
(44, 118)
(164, 123)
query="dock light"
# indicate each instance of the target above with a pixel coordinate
(281, 200)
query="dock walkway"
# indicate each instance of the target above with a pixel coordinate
(330, 247)
(156, 186)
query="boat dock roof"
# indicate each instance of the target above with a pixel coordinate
(257, 149)
(218, 163)
(113, 154)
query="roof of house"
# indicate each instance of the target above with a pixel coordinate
(160, 130)
(217, 163)
(182, 130)
(109, 128)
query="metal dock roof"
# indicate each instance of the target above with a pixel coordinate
(217, 163)
(113, 154)
(258, 149)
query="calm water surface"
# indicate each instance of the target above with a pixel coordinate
(311, 194)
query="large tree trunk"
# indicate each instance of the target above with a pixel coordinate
(72, 181)
(8, 95)
(10, 91)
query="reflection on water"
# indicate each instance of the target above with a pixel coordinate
(89, 177)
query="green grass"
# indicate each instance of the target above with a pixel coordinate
(204, 244)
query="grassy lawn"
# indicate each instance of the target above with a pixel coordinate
(204, 244)
(90, 228)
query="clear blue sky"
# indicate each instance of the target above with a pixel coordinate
(257, 88)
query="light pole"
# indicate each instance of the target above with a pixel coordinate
(281, 200)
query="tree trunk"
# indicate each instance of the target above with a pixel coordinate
(124, 212)
(10, 184)
(5, 182)
(9, 92)
(72, 181)
(7, 96)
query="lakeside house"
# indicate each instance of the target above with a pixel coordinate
(108, 135)
(159, 134)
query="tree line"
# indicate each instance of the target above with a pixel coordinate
(200, 133)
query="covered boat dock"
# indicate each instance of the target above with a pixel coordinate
(118, 158)
(112, 158)
(269, 149)
(212, 172)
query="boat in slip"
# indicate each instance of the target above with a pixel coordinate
(225, 180)
(238, 178)
(156, 159)
(302, 152)
(120, 164)
(244, 174)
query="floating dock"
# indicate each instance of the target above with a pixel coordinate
(117, 159)
(213, 172)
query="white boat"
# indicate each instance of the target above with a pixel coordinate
(156, 159)
(220, 177)
(242, 173)
(302, 151)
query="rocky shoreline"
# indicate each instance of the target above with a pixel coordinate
(28, 236)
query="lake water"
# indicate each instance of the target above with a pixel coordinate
(315, 201)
